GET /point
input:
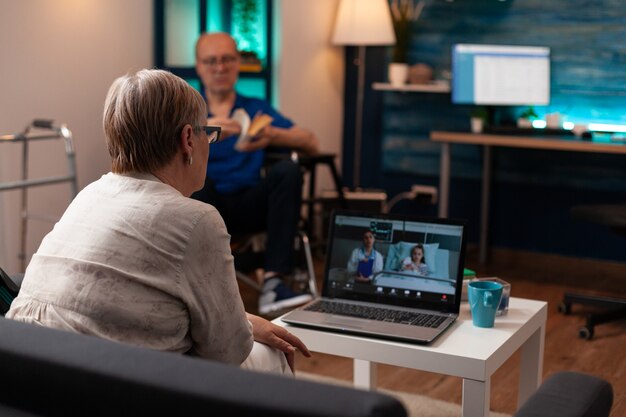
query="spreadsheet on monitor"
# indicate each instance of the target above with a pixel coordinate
(500, 74)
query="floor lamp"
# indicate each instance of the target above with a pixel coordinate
(362, 23)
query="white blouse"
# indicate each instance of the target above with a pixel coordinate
(133, 260)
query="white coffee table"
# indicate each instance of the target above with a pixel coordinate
(464, 351)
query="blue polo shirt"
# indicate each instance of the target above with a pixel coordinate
(232, 170)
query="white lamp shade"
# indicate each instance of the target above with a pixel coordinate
(363, 22)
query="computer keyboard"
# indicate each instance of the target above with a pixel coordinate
(526, 131)
(377, 313)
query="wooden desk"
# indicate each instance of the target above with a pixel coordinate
(464, 351)
(571, 144)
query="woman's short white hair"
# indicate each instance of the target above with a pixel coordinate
(144, 114)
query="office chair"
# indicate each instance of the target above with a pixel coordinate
(614, 217)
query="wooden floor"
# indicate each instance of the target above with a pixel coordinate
(535, 276)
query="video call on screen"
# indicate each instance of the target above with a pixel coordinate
(420, 261)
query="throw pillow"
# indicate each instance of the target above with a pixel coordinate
(430, 254)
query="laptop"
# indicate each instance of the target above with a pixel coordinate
(405, 297)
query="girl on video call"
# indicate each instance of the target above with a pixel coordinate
(415, 262)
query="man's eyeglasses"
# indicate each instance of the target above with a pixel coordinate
(213, 133)
(214, 61)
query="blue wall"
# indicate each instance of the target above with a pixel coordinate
(532, 190)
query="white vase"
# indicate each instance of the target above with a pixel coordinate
(476, 124)
(398, 74)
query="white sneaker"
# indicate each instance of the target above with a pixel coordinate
(277, 296)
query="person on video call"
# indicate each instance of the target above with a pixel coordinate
(415, 263)
(134, 259)
(365, 261)
(248, 202)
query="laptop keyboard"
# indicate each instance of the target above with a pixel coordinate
(377, 313)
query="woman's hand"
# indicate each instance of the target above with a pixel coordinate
(277, 337)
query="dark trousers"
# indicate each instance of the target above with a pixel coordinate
(272, 206)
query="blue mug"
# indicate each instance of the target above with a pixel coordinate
(484, 298)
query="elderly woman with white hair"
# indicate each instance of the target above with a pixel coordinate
(133, 259)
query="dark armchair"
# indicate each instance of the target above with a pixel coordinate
(48, 372)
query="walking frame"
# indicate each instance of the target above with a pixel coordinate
(46, 130)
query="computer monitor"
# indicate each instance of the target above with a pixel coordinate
(500, 75)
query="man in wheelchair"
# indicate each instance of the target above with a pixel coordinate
(249, 202)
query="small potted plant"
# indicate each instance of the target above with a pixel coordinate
(526, 118)
(403, 13)
(478, 119)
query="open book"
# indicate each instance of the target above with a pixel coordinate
(250, 128)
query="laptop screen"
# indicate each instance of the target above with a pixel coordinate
(395, 259)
